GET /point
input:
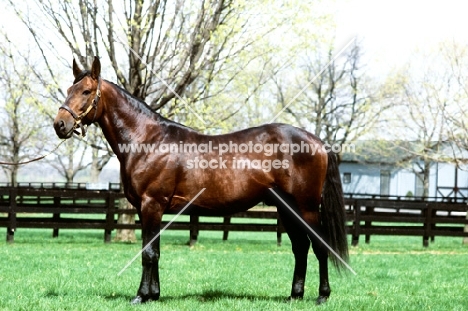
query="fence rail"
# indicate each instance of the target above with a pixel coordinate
(410, 218)
(64, 208)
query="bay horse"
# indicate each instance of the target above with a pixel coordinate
(160, 179)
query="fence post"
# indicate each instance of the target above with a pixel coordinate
(56, 217)
(368, 223)
(12, 216)
(226, 222)
(109, 217)
(357, 223)
(194, 219)
(427, 224)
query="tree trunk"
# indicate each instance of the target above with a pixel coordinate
(426, 175)
(95, 171)
(14, 176)
(69, 172)
(125, 235)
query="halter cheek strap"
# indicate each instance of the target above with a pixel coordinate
(79, 118)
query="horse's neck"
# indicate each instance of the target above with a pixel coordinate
(124, 123)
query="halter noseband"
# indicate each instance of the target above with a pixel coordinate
(80, 117)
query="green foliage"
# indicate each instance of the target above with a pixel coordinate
(267, 44)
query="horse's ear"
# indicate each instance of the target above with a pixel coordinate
(96, 68)
(76, 70)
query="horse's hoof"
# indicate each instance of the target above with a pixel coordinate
(293, 298)
(321, 299)
(138, 300)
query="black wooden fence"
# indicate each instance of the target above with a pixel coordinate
(55, 207)
(386, 216)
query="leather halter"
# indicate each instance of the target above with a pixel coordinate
(79, 118)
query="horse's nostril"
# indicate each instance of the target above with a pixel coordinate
(60, 126)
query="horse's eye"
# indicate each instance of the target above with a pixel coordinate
(87, 92)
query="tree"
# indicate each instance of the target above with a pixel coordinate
(71, 159)
(328, 94)
(20, 116)
(79, 154)
(166, 46)
(422, 98)
(457, 57)
(101, 153)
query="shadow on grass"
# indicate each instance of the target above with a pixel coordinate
(52, 294)
(214, 295)
(206, 296)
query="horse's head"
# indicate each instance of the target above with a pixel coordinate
(81, 106)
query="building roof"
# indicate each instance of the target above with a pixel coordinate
(384, 151)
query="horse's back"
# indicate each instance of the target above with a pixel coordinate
(238, 168)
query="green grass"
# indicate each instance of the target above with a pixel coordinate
(77, 271)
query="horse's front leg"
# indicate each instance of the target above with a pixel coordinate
(149, 290)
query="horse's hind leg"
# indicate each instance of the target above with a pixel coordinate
(300, 237)
(295, 217)
(300, 247)
(321, 253)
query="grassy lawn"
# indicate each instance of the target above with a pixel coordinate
(77, 271)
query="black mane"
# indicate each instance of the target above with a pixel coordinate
(142, 106)
(138, 104)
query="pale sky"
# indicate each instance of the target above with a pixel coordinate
(392, 29)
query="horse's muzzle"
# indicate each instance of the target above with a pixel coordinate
(63, 128)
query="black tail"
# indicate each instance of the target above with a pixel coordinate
(333, 212)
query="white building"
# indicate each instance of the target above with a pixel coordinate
(381, 174)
